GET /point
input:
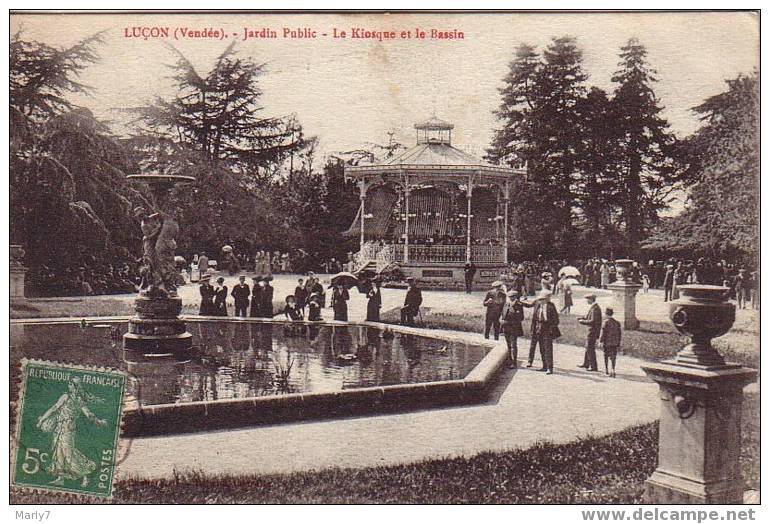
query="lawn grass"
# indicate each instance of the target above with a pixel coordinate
(597, 470)
(653, 341)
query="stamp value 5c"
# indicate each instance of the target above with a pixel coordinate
(67, 428)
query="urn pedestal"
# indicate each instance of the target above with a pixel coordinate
(701, 399)
(624, 291)
(18, 274)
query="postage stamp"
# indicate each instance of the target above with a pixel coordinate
(68, 428)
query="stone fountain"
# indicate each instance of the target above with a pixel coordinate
(157, 332)
(701, 399)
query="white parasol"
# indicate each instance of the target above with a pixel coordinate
(569, 271)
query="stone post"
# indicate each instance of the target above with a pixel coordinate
(624, 291)
(701, 397)
(18, 272)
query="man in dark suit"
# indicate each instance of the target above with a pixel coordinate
(240, 294)
(668, 283)
(593, 320)
(412, 303)
(470, 272)
(494, 302)
(545, 328)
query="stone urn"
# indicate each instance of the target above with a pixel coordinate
(623, 269)
(17, 256)
(702, 313)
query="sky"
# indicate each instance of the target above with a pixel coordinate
(352, 92)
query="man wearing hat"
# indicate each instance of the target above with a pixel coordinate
(207, 296)
(469, 272)
(610, 340)
(240, 294)
(545, 328)
(412, 303)
(593, 320)
(512, 316)
(494, 302)
(668, 283)
(741, 286)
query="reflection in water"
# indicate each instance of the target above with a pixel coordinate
(239, 359)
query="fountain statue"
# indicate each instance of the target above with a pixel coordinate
(157, 330)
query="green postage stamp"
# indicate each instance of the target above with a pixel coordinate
(67, 428)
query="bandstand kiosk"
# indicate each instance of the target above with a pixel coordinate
(432, 209)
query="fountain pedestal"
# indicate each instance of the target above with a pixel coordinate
(157, 329)
(624, 291)
(701, 400)
(157, 332)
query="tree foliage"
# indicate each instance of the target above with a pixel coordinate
(647, 152)
(600, 167)
(541, 132)
(214, 128)
(68, 192)
(722, 215)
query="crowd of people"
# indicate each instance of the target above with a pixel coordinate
(505, 314)
(89, 277)
(531, 275)
(263, 262)
(257, 300)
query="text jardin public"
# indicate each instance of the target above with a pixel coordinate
(301, 33)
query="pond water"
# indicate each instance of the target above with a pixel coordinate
(237, 359)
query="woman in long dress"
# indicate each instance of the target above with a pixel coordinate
(375, 302)
(68, 462)
(340, 297)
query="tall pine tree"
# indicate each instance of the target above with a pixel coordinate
(647, 150)
(599, 183)
(541, 131)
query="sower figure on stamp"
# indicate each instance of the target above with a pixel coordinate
(61, 419)
(593, 320)
(545, 328)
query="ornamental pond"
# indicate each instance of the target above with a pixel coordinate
(236, 361)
